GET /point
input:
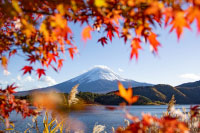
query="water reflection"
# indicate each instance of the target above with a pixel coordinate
(98, 115)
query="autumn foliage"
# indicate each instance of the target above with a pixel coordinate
(171, 122)
(8, 103)
(39, 30)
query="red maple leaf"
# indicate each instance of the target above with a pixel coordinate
(32, 59)
(14, 51)
(110, 35)
(103, 40)
(110, 29)
(40, 72)
(11, 88)
(27, 69)
(51, 57)
(125, 36)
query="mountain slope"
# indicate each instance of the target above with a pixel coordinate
(163, 93)
(190, 84)
(192, 93)
(100, 79)
(103, 80)
(98, 72)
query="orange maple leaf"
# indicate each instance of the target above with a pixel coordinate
(135, 45)
(194, 13)
(127, 94)
(51, 57)
(178, 23)
(168, 14)
(153, 41)
(72, 51)
(86, 33)
(4, 61)
(138, 31)
(60, 63)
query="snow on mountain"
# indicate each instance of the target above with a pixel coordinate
(99, 79)
(97, 73)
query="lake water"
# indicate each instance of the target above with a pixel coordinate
(98, 115)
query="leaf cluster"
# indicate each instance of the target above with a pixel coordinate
(40, 29)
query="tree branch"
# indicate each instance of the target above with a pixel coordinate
(37, 12)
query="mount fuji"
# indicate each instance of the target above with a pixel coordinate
(100, 79)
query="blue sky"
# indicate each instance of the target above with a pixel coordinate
(176, 62)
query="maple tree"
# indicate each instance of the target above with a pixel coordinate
(8, 103)
(40, 29)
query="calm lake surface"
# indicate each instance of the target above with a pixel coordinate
(98, 115)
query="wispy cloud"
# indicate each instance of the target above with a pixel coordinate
(28, 79)
(6, 72)
(120, 70)
(19, 77)
(25, 83)
(49, 80)
(190, 76)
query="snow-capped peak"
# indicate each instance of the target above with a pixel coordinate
(96, 73)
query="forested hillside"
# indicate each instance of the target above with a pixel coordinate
(157, 94)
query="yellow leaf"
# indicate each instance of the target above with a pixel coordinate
(60, 21)
(12, 124)
(74, 5)
(100, 3)
(16, 6)
(8, 129)
(61, 9)
(45, 32)
(28, 28)
(1, 97)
